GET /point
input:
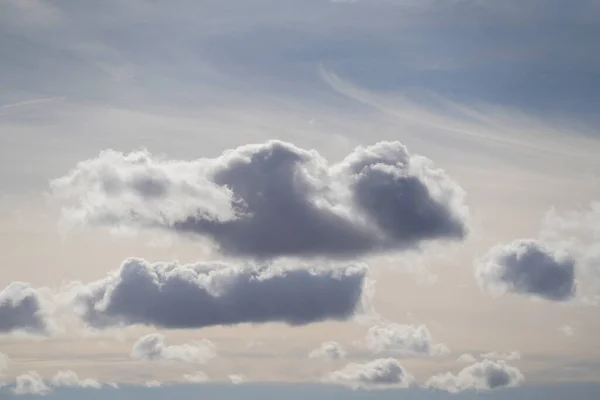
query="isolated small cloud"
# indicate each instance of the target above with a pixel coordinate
(567, 330)
(407, 340)
(528, 267)
(328, 351)
(273, 199)
(30, 383)
(174, 295)
(508, 356)
(237, 379)
(380, 373)
(21, 310)
(72, 380)
(152, 383)
(152, 347)
(196, 377)
(484, 375)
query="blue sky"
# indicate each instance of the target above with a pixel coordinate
(376, 194)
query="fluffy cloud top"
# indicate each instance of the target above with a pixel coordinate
(173, 295)
(528, 267)
(484, 375)
(152, 347)
(328, 351)
(30, 383)
(406, 340)
(383, 372)
(21, 310)
(273, 199)
(71, 379)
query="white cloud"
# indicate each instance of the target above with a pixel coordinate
(528, 267)
(152, 383)
(152, 347)
(196, 377)
(273, 199)
(328, 351)
(237, 379)
(380, 373)
(407, 340)
(30, 383)
(71, 379)
(484, 375)
(205, 294)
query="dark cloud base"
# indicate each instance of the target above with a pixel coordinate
(171, 295)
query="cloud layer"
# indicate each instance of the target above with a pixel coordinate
(21, 310)
(408, 340)
(484, 375)
(383, 372)
(173, 295)
(528, 267)
(273, 199)
(152, 347)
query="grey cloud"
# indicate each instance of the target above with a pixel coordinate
(328, 351)
(408, 340)
(173, 295)
(274, 199)
(21, 310)
(382, 373)
(528, 267)
(485, 375)
(152, 347)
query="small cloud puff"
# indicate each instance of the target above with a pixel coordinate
(196, 377)
(22, 310)
(152, 347)
(328, 351)
(406, 340)
(380, 373)
(484, 375)
(528, 267)
(237, 379)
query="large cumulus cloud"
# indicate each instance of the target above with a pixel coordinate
(273, 199)
(528, 267)
(380, 373)
(407, 340)
(484, 375)
(21, 309)
(152, 347)
(173, 295)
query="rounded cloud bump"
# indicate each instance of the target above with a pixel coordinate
(527, 267)
(21, 310)
(273, 199)
(484, 375)
(173, 295)
(380, 373)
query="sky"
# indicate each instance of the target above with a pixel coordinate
(326, 198)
